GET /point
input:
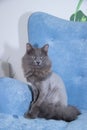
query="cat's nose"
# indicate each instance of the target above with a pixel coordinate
(38, 62)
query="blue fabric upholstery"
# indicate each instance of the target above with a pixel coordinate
(15, 96)
(68, 52)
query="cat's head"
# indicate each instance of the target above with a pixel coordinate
(37, 57)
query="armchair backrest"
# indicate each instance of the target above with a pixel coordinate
(68, 51)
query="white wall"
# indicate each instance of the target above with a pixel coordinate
(13, 25)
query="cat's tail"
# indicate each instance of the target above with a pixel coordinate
(66, 113)
(70, 113)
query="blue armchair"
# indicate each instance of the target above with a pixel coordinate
(68, 52)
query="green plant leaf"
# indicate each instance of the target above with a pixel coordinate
(80, 16)
(77, 8)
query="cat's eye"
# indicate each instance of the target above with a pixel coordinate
(33, 57)
(41, 57)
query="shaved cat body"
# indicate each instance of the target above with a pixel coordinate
(48, 90)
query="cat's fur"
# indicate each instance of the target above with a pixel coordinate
(49, 94)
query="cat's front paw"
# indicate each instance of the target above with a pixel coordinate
(27, 115)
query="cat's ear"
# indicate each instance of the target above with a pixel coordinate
(45, 48)
(28, 47)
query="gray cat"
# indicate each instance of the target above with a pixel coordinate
(49, 94)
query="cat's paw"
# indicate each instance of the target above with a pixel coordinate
(27, 115)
